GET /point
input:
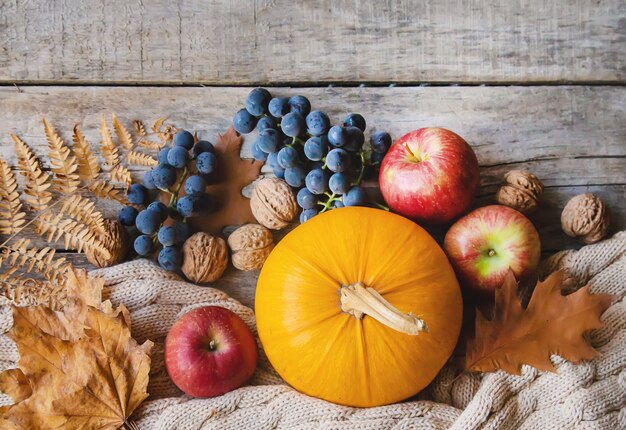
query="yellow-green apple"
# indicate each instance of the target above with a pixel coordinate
(487, 242)
(429, 175)
(210, 351)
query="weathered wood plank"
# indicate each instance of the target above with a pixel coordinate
(240, 42)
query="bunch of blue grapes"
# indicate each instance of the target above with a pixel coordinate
(325, 162)
(161, 229)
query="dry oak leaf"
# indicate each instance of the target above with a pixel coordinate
(551, 324)
(233, 174)
(90, 378)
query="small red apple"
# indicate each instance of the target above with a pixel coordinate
(487, 242)
(210, 351)
(429, 175)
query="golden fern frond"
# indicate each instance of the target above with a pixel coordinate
(83, 210)
(20, 257)
(104, 190)
(75, 235)
(121, 174)
(88, 167)
(63, 163)
(11, 216)
(168, 133)
(109, 150)
(123, 135)
(37, 183)
(149, 144)
(139, 159)
(24, 291)
(156, 127)
(140, 129)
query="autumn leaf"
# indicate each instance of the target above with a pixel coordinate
(551, 324)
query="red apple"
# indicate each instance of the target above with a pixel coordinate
(487, 242)
(210, 351)
(429, 175)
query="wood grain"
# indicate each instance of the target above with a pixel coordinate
(572, 137)
(240, 42)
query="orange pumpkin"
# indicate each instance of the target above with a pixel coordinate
(359, 307)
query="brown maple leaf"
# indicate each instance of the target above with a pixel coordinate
(230, 207)
(551, 324)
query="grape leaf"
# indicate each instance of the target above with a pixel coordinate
(551, 324)
(230, 207)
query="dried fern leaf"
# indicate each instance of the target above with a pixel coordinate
(23, 291)
(104, 190)
(168, 133)
(63, 163)
(150, 144)
(88, 167)
(75, 235)
(37, 182)
(121, 174)
(123, 135)
(83, 210)
(108, 148)
(20, 257)
(12, 218)
(156, 127)
(136, 158)
(140, 129)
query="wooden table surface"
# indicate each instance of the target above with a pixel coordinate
(529, 84)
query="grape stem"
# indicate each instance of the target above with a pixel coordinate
(174, 195)
(363, 166)
(331, 199)
(381, 206)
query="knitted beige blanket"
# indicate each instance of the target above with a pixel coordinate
(587, 395)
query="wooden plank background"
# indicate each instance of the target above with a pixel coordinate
(227, 42)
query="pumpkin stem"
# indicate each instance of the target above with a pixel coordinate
(357, 300)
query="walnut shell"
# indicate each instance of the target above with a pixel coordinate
(521, 190)
(585, 217)
(250, 245)
(205, 257)
(273, 203)
(115, 239)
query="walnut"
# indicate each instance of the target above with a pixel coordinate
(115, 239)
(250, 246)
(273, 203)
(585, 217)
(521, 190)
(205, 257)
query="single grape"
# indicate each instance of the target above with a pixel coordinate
(294, 176)
(137, 194)
(288, 157)
(183, 231)
(337, 160)
(317, 181)
(168, 235)
(160, 209)
(170, 258)
(268, 140)
(162, 157)
(188, 206)
(272, 159)
(195, 184)
(205, 163)
(243, 122)
(183, 138)
(178, 157)
(337, 136)
(355, 139)
(300, 105)
(338, 204)
(380, 141)
(147, 222)
(257, 101)
(279, 107)
(307, 214)
(317, 123)
(148, 180)
(279, 172)
(164, 176)
(339, 183)
(306, 199)
(257, 153)
(293, 124)
(143, 245)
(355, 120)
(356, 196)
(315, 148)
(266, 122)
(202, 146)
(127, 215)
